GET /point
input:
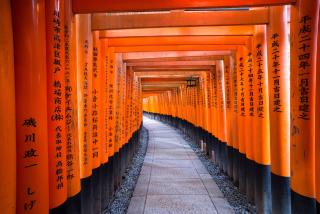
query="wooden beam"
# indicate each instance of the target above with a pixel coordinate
(154, 92)
(165, 48)
(163, 84)
(151, 93)
(162, 79)
(171, 63)
(164, 87)
(173, 59)
(179, 19)
(171, 67)
(241, 30)
(94, 6)
(171, 54)
(171, 70)
(168, 74)
(178, 40)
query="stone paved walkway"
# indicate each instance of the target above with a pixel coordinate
(173, 179)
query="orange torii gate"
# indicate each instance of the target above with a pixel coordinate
(73, 87)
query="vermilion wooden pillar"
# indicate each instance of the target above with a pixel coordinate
(261, 125)
(249, 119)
(96, 132)
(317, 169)
(73, 204)
(84, 90)
(279, 102)
(208, 92)
(199, 111)
(222, 113)
(103, 108)
(213, 112)
(84, 66)
(130, 94)
(215, 115)
(242, 112)
(304, 30)
(73, 164)
(210, 115)
(96, 128)
(29, 33)
(56, 103)
(140, 117)
(235, 118)
(110, 101)
(7, 113)
(228, 66)
(120, 81)
(103, 51)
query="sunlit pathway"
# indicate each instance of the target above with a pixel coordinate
(173, 179)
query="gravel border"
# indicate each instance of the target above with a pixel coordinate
(122, 197)
(236, 199)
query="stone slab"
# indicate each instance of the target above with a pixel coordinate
(179, 204)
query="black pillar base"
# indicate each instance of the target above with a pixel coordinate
(281, 195)
(86, 195)
(104, 186)
(235, 168)
(59, 209)
(73, 204)
(242, 173)
(302, 204)
(112, 175)
(218, 153)
(230, 161)
(116, 172)
(110, 182)
(131, 149)
(123, 162)
(127, 152)
(250, 179)
(263, 188)
(215, 149)
(224, 154)
(210, 146)
(96, 188)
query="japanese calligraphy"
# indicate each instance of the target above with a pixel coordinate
(260, 81)
(303, 58)
(235, 89)
(95, 101)
(276, 73)
(241, 81)
(250, 82)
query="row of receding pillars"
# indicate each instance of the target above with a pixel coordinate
(68, 108)
(262, 104)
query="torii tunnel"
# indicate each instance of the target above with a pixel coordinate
(240, 77)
